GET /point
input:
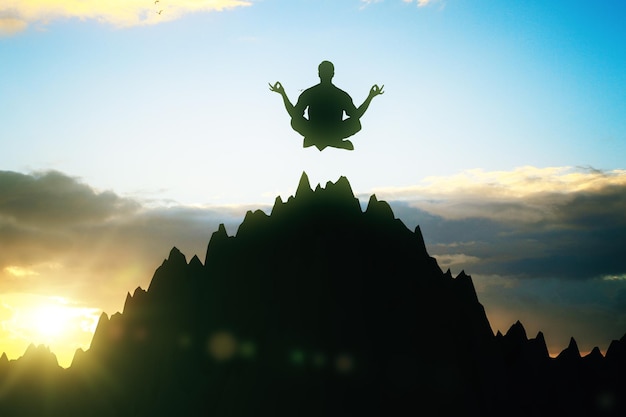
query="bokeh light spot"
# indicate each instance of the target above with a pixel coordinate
(247, 350)
(222, 346)
(344, 364)
(606, 401)
(296, 357)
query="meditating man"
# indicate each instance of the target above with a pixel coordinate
(325, 105)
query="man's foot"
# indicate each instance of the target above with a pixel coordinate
(323, 144)
(344, 144)
(310, 141)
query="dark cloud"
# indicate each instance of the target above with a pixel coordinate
(619, 300)
(52, 199)
(582, 239)
(571, 235)
(61, 237)
(437, 230)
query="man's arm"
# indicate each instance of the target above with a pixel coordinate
(278, 88)
(374, 91)
(301, 105)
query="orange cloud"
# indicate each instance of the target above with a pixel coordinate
(11, 25)
(15, 15)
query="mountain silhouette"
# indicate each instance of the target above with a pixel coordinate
(319, 309)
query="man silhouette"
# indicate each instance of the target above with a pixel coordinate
(325, 105)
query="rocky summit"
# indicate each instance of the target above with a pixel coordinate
(321, 308)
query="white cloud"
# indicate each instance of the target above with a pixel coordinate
(518, 183)
(420, 3)
(18, 271)
(15, 15)
(621, 277)
(526, 194)
(451, 260)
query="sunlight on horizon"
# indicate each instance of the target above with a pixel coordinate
(55, 322)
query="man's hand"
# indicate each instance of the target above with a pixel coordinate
(375, 90)
(277, 88)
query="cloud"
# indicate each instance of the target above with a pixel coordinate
(420, 3)
(53, 200)
(526, 194)
(61, 237)
(458, 260)
(558, 222)
(15, 15)
(368, 2)
(18, 271)
(11, 25)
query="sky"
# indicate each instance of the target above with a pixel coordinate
(125, 132)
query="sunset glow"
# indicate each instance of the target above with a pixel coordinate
(51, 321)
(128, 127)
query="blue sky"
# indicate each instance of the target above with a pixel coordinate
(498, 119)
(468, 84)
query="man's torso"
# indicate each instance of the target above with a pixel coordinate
(326, 104)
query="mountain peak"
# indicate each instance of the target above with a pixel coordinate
(595, 354)
(176, 256)
(304, 186)
(379, 208)
(537, 347)
(517, 332)
(570, 353)
(165, 276)
(617, 351)
(332, 196)
(39, 355)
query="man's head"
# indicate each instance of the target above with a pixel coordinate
(326, 71)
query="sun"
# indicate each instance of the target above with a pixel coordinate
(47, 319)
(60, 323)
(51, 320)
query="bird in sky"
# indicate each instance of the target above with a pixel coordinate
(160, 11)
(156, 1)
